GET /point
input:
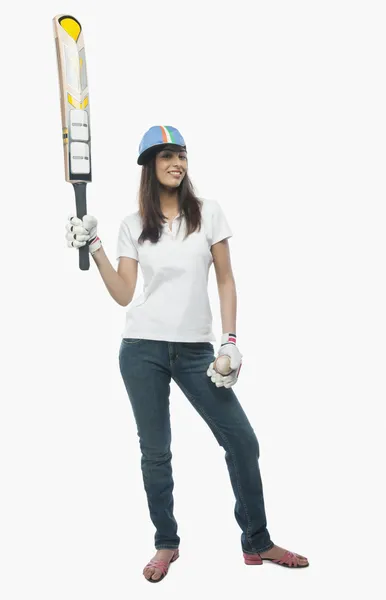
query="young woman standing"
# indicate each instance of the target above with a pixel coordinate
(175, 237)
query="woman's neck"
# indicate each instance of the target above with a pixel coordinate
(169, 201)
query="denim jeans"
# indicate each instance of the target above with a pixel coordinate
(147, 367)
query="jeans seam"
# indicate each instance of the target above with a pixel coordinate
(222, 435)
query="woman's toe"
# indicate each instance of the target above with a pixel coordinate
(148, 572)
(156, 574)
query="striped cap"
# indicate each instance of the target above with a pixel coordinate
(155, 138)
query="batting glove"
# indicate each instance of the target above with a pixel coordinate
(228, 348)
(81, 232)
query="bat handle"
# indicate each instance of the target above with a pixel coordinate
(81, 211)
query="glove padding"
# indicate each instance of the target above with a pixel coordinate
(81, 232)
(217, 378)
(226, 381)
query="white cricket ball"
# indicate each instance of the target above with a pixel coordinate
(222, 365)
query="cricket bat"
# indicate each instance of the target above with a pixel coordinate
(75, 111)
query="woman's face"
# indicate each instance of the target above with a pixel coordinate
(171, 167)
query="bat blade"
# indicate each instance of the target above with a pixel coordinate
(75, 113)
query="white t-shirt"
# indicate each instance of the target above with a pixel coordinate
(174, 305)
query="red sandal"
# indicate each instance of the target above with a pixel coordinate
(162, 566)
(289, 559)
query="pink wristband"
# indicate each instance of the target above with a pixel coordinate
(228, 338)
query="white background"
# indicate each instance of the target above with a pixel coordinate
(282, 105)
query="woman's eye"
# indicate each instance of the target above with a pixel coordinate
(169, 154)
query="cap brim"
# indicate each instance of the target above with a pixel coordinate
(147, 154)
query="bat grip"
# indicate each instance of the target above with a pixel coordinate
(81, 211)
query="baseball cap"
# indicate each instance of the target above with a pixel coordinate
(155, 139)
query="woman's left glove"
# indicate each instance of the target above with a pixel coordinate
(228, 348)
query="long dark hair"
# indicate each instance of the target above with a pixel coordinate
(150, 207)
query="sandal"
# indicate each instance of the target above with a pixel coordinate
(289, 559)
(162, 566)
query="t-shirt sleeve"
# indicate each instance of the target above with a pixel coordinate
(220, 226)
(125, 245)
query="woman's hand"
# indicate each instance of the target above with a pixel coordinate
(228, 348)
(81, 232)
(217, 378)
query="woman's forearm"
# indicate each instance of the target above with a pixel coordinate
(117, 287)
(228, 304)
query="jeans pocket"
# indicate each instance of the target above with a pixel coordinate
(203, 346)
(198, 349)
(131, 341)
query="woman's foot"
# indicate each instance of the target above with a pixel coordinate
(281, 554)
(154, 573)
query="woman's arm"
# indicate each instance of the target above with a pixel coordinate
(226, 285)
(121, 284)
(228, 304)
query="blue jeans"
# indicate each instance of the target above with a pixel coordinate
(147, 367)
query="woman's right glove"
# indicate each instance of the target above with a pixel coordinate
(81, 232)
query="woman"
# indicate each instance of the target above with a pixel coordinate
(175, 237)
